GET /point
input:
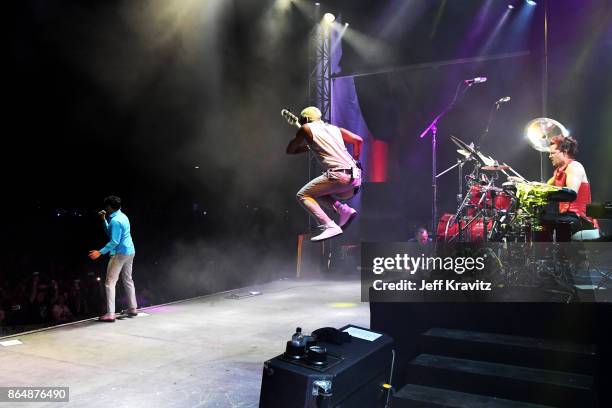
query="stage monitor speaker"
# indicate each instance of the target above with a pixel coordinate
(354, 375)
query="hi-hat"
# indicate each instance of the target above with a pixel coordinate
(539, 133)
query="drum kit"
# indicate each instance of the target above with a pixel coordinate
(503, 213)
(498, 210)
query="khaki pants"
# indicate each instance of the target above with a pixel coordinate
(120, 265)
(326, 190)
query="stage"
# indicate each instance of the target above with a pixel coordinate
(165, 150)
(202, 352)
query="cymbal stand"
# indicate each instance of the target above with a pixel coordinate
(485, 220)
(461, 202)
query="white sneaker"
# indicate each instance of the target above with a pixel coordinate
(347, 215)
(329, 231)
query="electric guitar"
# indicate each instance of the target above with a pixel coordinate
(291, 118)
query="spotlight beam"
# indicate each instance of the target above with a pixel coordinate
(437, 64)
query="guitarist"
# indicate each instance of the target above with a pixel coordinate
(341, 177)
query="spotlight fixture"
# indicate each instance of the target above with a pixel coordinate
(531, 3)
(346, 24)
(317, 4)
(329, 18)
(510, 6)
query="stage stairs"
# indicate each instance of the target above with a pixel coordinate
(470, 369)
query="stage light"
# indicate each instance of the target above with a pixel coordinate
(340, 31)
(510, 6)
(367, 47)
(329, 18)
(317, 4)
(531, 3)
(342, 305)
(282, 5)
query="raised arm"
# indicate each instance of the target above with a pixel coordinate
(102, 215)
(353, 139)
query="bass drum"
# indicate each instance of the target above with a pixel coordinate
(448, 229)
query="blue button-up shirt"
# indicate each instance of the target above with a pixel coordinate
(118, 230)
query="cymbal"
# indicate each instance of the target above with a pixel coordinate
(539, 133)
(487, 160)
(516, 179)
(494, 168)
(463, 145)
(467, 148)
(542, 185)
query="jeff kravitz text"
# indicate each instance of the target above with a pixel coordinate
(435, 285)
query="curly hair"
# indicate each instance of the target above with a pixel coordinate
(566, 144)
(113, 202)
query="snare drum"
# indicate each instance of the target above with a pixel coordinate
(502, 201)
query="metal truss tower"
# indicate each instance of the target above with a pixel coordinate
(320, 95)
(320, 79)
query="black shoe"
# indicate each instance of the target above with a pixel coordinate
(129, 314)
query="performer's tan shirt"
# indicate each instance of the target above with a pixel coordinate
(328, 146)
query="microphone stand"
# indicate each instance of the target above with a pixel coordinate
(485, 220)
(489, 121)
(433, 127)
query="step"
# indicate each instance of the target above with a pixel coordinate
(509, 349)
(548, 387)
(418, 396)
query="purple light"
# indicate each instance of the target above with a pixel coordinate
(477, 28)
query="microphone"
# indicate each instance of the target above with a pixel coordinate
(503, 100)
(476, 80)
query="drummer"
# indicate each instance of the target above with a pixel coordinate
(570, 173)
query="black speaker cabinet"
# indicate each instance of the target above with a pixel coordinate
(353, 375)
